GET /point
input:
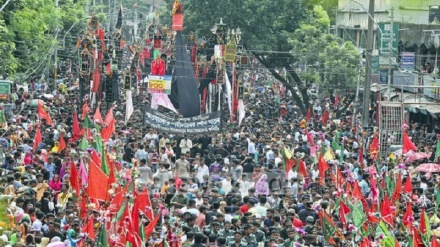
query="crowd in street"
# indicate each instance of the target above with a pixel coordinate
(281, 178)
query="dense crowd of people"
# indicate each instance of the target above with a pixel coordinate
(282, 178)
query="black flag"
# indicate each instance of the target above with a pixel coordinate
(183, 76)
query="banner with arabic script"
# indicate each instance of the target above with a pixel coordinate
(202, 124)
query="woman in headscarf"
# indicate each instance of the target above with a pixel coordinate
(262, 186)
(55, 184)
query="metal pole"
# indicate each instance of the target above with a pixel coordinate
(391, 53)
(356, 98)
(87, 8)
(56, 49)
(369, 50)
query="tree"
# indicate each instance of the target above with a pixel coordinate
(268, 32)
(325, 59)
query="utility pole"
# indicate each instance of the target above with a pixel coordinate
(368, 55)
(135, 28)
(390, 71)
(56, 48)
(87, 8)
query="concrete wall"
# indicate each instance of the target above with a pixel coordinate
(405, 11)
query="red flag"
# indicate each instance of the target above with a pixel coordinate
(77, 133)
(407, 188)
(343, 211)
(90, 228)
(96, 159)
(339, 179)
(361, 156)
(135, 215)
(357, 193)
(407, 145)
(423, 226)
(95, 189)
(398, 189)
(310, 139)
(309, 115)
(336, 101)
(74, 178)
(178, 182)
(417, 239)
(97, 117)
(374, 147)
(85, 110)
(371, 216)
(324, 118)
(83, 206)
(117, 201)
(323, 166)
(62, 144)
(289, 164)
(111, 175)
(38, 139)
(435, 242)
(408, 218)
(386, 212)
(145, 204)
(150, 227)
(96, 79)
(366, 243)
(42, 113)
(302, 169)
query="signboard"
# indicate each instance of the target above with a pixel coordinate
(375, 64)
(159, 84)
(405, 81)
(433, 93)
(408, 60)
(383, 77)
(5, 89)
(203, 124)
(386, 46)
(385, 61)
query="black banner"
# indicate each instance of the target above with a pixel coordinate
(202, 124)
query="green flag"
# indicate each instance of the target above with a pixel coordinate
(341, 154)
(327, 225)
(2, 118)
(102, 237)
(87, 123)
(98, 140)
(437, 150)
(104, 166)
(120, 212)
(437, 197)
(83, 144)
(335, 144)
(358, 215)
(388, 238)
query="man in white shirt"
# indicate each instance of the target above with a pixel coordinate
(185, 145)
(150, 135)
(202, 170)
(251, 146)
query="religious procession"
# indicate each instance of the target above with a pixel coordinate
(153, 135)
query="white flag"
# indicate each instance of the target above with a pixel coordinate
(161, 99)
(129, 106)
(228, 93)
(241, 111)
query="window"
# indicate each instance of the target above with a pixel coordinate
(434, 12)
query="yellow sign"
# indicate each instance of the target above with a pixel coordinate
(159, 84)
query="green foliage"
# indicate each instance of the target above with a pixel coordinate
(326, 59)
(28, 34)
